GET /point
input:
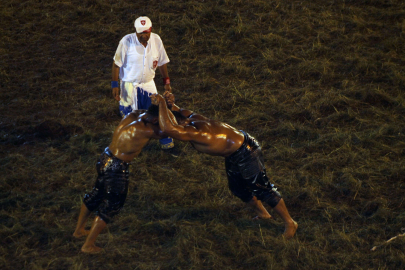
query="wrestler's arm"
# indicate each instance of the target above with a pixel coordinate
(169, 97)
(171, 128)
(136, 113)
(154, 134)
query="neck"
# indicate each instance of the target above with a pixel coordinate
(148, 119)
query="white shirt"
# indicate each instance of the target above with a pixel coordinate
(137, 63)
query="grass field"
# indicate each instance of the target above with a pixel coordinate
(320, 84)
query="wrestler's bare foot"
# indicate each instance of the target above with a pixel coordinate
(91, 249)
(263, 217)
(290, 229)
(80, 234)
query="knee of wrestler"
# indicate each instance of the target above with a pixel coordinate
(111, 206)
(104, 217)
(272, 198)
(242, 193)
(108, 210)
(91, 201)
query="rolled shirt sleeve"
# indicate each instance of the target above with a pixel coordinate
(121, 51)
(163, 58)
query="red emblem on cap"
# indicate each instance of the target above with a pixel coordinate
(143, 22)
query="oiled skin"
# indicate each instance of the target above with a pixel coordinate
(132, 134)
(206, 135)
(214, 138)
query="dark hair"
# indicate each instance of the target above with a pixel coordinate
(153, 110)
(179, 116)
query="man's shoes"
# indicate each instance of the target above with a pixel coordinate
(174, 152)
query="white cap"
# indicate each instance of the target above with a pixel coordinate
(143, 24)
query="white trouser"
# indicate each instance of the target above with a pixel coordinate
(129, 93)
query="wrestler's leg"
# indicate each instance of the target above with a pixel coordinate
(81, 222)
(258, 207)
(115, 190)
(96, 228)
(290, 225)
(90, 202)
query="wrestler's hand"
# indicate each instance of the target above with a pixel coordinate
(169, 97)
(157, 99)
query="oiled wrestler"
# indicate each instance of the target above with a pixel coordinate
(243, 157)
(111, 187)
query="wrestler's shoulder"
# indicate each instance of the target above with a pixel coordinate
(136, 113)
(196, 116)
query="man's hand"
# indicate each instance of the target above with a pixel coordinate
(157, 99)
(168, 88)
(116, 93)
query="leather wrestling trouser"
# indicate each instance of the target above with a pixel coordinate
(247, 174)
(111, 187)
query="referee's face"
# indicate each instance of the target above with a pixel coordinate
(143, 37)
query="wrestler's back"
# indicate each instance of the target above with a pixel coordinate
(131, 135)
(220, 139)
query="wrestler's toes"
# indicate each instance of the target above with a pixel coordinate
(81, 234)
(91, 249)
(263, 217)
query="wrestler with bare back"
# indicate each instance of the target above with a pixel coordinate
(111, 187)
(243, 157)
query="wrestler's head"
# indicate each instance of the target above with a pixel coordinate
(153, 110)
(181, 119)
(153, 114)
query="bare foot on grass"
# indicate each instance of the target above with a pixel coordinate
(81, 234)
(262, 217)
(290, 230)
(91, 249)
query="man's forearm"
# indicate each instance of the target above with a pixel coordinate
(165, 77)
(163, 71)
(115, 71)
